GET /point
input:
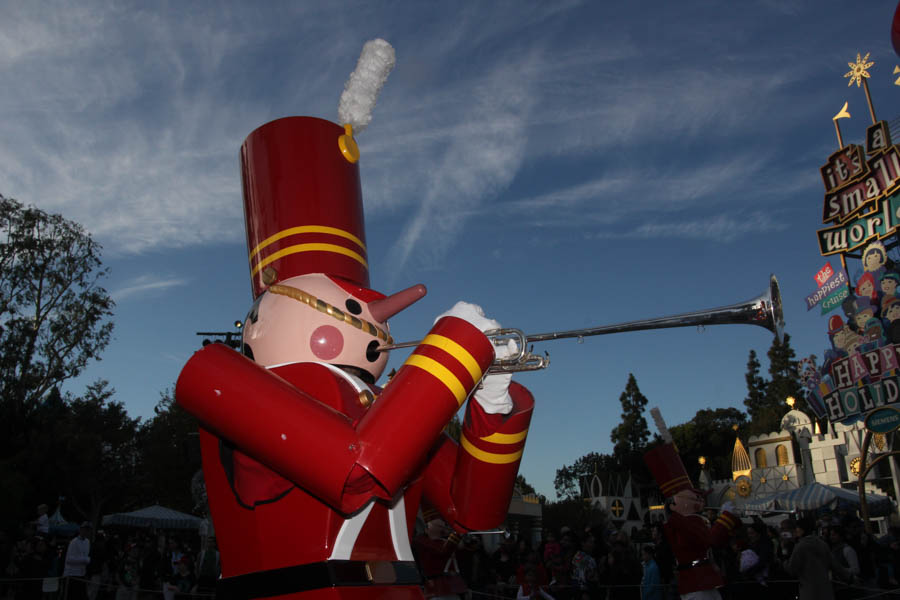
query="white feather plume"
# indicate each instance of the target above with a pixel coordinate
(362, 89)
(661, 425)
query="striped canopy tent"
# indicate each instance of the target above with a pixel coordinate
(154, 516)
(815, 496)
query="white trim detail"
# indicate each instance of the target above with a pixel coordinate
(353, 380)
(346, 537)
(399, 531)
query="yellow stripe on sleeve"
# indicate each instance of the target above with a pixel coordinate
(506, 438)
(456, 351)
(442, 373)
(489, 457)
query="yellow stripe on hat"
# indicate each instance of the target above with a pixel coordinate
(308, 248)
(506, 438)
(489, 457)
(456, 351)
(673, 483)
(306, 229)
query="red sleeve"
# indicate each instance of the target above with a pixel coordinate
(471, 484)
(284, 427)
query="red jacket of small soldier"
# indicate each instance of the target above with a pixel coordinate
(314, 475)
(691, 536)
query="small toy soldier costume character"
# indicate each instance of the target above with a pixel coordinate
(689, 533)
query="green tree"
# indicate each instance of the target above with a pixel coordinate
(53, 311)
(756, 385)
(765, 399)
(630, 437)
(785, 377)
(54, 320)
(522, 486)
(85, 449)
(573, 513)
(709, 434)
(571, 481)
(170, 455)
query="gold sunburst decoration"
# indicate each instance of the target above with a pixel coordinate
(859, 73)
(858, 70)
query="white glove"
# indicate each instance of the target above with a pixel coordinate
(471, 313)
(728, 507)
(493, 395)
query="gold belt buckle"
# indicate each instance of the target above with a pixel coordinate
(381, 571)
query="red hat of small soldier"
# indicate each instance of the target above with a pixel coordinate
(667, 469)
(665, 464)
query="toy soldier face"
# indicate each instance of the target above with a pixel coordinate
(312, 319)
(688, 502)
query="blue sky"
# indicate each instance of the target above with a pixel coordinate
(564, 165)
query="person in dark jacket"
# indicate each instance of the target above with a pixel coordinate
(811, 563)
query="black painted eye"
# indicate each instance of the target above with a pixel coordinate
(353, 306)
(253, 314)
(372, 354)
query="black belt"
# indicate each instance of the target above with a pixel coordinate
(312, 576)
(693, 563)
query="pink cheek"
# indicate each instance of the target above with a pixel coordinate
(326, 342)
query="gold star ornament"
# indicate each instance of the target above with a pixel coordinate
(858, 69)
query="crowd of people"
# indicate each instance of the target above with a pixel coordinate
(813, 559)
(126, 564)
(809, 558)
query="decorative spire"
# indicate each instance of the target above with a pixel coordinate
(740, 461)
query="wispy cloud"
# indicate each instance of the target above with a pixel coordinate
(719, 228)
(129, 119)
(146, 284)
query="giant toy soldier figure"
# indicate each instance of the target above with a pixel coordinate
(314, 474)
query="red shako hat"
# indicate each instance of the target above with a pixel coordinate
(667, 469)
(303, 202)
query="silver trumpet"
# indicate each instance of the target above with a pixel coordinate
(764, 310)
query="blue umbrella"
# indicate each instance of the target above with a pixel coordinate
(816, 495)
(154, 516)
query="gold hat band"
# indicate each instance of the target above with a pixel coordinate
(328, 309)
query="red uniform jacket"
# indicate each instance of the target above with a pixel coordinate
(314, 489)
(691, 538)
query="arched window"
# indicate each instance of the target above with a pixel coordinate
(760, 456)
(781, 455)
